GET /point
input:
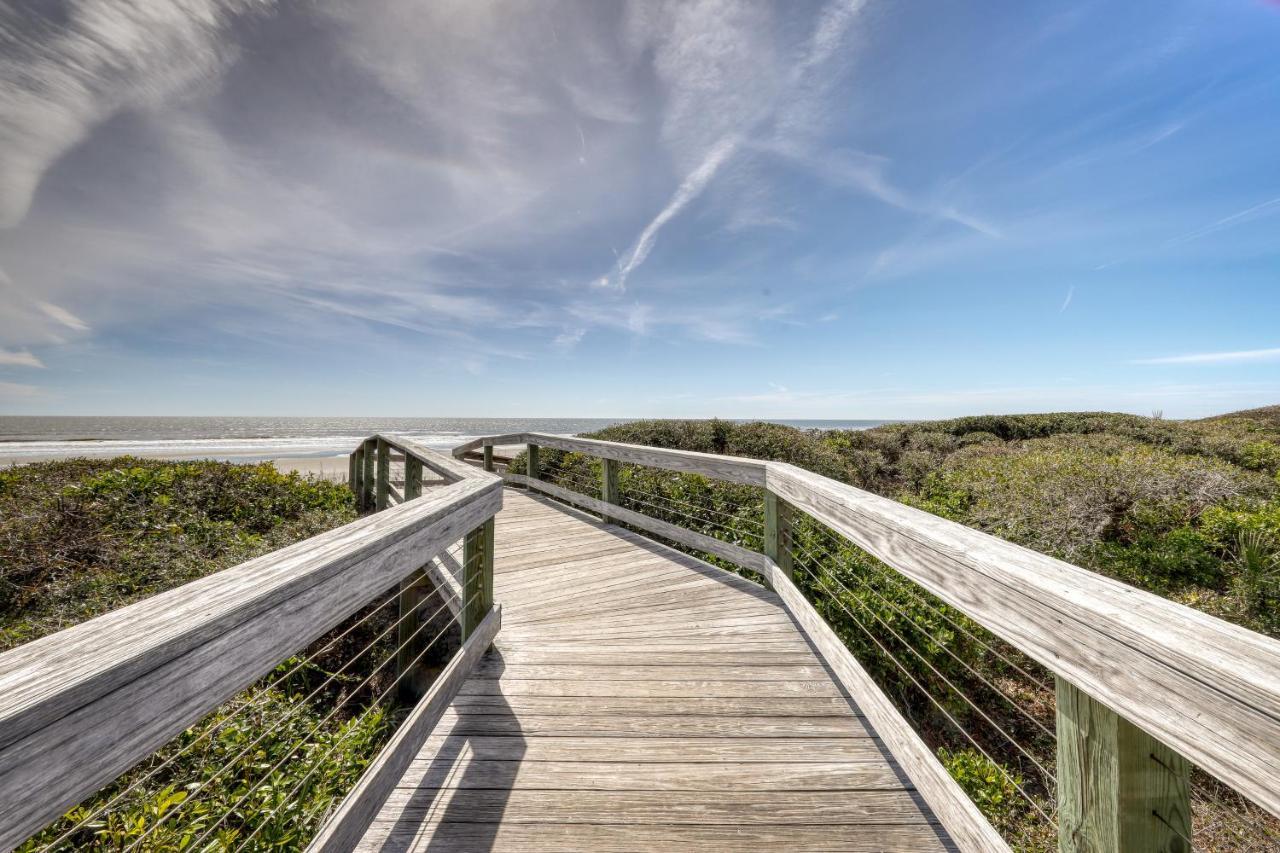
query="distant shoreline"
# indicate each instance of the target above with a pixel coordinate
(305, 444)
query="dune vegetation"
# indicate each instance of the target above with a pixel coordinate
(81, 537)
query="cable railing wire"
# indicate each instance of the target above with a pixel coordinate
(290, 712)
(941, 613)
(255, 701)
(631, 489)
(950, 684)
(1013, 703)
(699, 521)
(950, 718)
(319, 762)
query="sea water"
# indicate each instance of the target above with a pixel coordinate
(28, 438)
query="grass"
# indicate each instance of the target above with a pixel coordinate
(81, 537)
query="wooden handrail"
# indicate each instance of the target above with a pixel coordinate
(1208, 689)
(733, 469)
(82, 706)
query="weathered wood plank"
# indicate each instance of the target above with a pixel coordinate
(653, 687)
(840, 778)
(398, 837)
(445, 744)
(948, 801)
(733, 469)
(640, 671)
(665, 678)
(631, 706)
(358, 809)
(655, 807)
(700, 541)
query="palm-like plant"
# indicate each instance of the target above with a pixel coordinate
(1258, 556)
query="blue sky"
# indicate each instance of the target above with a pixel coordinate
(829, 209)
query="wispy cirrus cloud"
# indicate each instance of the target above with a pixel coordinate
(19, 358)
(738, 89)
(1234, 357)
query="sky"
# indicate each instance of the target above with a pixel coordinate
(839, 209)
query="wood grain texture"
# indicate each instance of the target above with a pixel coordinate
(448, 837)
(732, 469)
(383, 475)
(1208, 689)
(81, 706)
(700, 541)
(443, 464)
(644, 688)
(1118, 787)
(948, 801)
(357, 810)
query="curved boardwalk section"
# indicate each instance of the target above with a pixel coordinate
(639, 699)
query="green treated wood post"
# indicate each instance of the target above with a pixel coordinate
(369, 454)
(777, 532)
(352, 465)
(356, 481)
(414, 590)
(412, 478)
(531, 467)
(488, 457)
(609, 484)
(1119, 789)
(384, 474)
(477, 577)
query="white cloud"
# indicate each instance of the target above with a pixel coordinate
(1066, 303)
(1236, 357)
(19, 358)
(725, 81)
(105, 57)
(19, 391)
(63, 316)
(568, 339)
(690, 188)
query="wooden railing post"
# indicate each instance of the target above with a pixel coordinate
(777, 532)
(488, 457)
(609, 485)
(412, 478)
(531, 466)
(1119, 789)
(355, 477)
(384, 474)
(477, 577)
(413, 591)
(369, 454)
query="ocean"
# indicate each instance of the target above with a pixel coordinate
(30, 438)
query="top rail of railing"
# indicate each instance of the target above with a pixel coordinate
(82, 706)
(1206, 688)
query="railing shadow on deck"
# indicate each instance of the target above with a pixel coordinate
(422, 812)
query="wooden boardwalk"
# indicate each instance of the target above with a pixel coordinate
(639, 699)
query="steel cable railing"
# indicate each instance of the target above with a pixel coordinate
(342, 738)
(290, 713)
(259, 696)
(329, 716)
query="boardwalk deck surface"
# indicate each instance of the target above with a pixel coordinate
(638, 699)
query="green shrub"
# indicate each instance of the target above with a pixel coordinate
(1065, 495)
(1257, 556)
(80, 537)
(993, 788)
